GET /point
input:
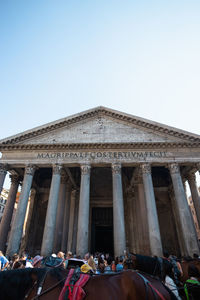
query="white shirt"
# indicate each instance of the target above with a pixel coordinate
(169, 282)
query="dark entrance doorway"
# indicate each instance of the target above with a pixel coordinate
(102, 230)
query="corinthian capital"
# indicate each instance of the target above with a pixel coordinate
(85, 169)
(30, 170)
(116, 168)
(174, 168)
(57, 169)
(146, 168)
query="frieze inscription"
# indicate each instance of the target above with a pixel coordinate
(101, 155)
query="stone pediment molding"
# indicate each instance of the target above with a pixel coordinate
(93, 146)
(100, 112)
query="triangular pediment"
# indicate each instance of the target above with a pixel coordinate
(101, 125)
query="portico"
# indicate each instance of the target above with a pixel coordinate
(127, 169)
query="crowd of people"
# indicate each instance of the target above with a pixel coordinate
(104, 263)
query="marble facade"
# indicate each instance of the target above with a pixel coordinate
(101, 180)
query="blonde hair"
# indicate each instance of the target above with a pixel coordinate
(91, 263)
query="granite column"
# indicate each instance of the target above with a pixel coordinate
(17, 226)
(152, 217)
(83, 216)
(118, 211)
(50, 222)
(8, 211)
(189, 242)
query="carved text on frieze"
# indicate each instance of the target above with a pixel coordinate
(102, 155)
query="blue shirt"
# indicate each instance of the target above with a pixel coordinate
(119, 267)
(3, 261)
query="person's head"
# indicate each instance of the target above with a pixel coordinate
(60, 254)
(87, 256)
(195, 255)
(69, 254)
(121, 259)
(168, 269)
(36, 260)
(193, 271)
(15, 257)
(20, 264)
(166, 253)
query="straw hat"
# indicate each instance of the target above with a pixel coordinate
(85, 268)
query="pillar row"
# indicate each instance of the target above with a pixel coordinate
(189, 238)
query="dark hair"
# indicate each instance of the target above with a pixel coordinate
(195, 255)
(193, 271)
(166, 253)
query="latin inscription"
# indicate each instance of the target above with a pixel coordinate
(101, 155)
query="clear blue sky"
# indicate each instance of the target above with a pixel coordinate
(58, 58)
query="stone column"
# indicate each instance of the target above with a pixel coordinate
(3, 171)
(17, 227)
(27, 222)
(71, 220)
(152, 217)
(195, 195)
(118, 211)
(189, 243)
(83, 216)
(8, 211)
(66, 218)
(60, 214)
(50, 222)
(74, 239)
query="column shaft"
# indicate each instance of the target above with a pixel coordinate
(183, 213)
(83, 216)
(71, 220)
(8, 212)
(152, 217)
(50, 222)
(74, 239)
(17, 227)
(66, 218)
(118, 211)
(195, 194)
(60, 215)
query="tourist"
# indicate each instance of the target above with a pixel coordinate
(3, 262)
(15, 258)
(119, 266)
(192, 285)
(169, 282)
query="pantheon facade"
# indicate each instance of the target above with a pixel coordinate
(101, 180)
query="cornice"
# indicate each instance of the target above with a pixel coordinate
(98, 112)
(11, 147)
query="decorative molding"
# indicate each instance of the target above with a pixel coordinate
(174, 168)
(146, 168)
(84, 146)
(30, 170)
(116, 168)
(99, 112)
(85, 169)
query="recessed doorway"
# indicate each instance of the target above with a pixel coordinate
(102, 230)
